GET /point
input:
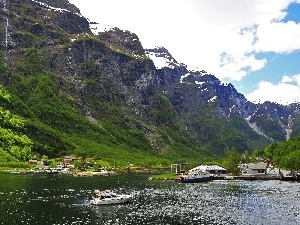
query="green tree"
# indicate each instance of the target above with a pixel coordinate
(270, 151)
(246, 156)
(232, 161)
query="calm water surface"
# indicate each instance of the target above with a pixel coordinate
(63, 200)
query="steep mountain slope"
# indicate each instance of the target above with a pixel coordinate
(99, 94)
(64, 80)
(270, 120)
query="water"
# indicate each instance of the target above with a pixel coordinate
(63, 200)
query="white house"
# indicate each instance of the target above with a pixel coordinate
(254, 168)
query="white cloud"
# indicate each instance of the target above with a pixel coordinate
(236, 13)
(236, 66)
(286, 79)
(278, 37)
(296, 78)
(285, 92)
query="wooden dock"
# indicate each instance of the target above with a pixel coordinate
(255, 177)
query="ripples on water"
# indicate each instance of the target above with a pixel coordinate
(158, 202)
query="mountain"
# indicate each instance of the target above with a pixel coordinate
(78, 90)
(274, 121)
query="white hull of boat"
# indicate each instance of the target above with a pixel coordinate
(110, 198)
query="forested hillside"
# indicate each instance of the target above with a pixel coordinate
(285, 154)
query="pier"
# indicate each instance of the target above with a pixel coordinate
(256, 177)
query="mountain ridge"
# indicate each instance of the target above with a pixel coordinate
(100, 93)
(236, 102)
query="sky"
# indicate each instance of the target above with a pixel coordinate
(253, 44)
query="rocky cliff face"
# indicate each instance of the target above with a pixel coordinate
(88, 66)
(271, 120)
(108, 76)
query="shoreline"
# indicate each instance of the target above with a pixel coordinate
(242, 177)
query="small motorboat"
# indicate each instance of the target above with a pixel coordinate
(108, 197)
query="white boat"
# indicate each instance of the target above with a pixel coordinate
(107, 197)
(228, 178)
(196, 175)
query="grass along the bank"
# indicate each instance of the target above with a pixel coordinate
(15, 165)
(167, 176)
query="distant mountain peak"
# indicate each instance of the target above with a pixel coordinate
(162, 58)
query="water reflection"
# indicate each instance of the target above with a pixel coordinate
(154, 202)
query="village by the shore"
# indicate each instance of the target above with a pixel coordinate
(248, 171)
(66, 165)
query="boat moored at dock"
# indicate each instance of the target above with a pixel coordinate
(196, 175)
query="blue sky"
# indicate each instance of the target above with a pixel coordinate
(253, 44)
